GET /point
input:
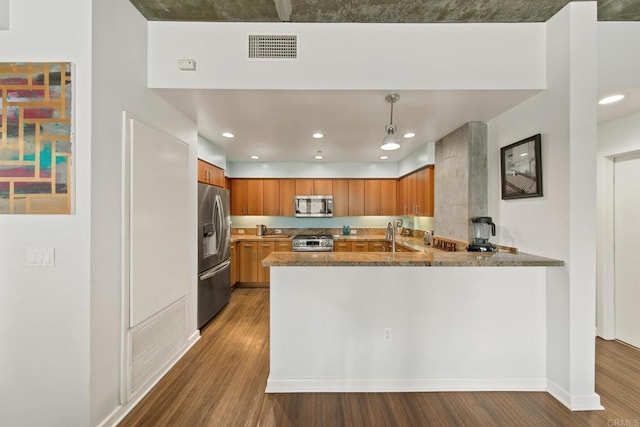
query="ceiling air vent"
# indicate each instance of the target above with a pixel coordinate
(273, 47)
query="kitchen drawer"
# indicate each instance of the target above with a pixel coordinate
(379, 246)
(341, 246)
(359, 247)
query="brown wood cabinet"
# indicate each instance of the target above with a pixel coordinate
(210, 174)
(271, 197)
(380, 197)
(283, 246)
(248, 265)
(287, 193)
(264, 249)
(310, 187)
(359, 246)
(415, 193)
(356, 197)
(377, 246)
(234, 264)
(341, 246)
(340, 197)
(247, 196)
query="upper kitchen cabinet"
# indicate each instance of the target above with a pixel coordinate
(380, 197)
(415, 193)
(340, 197)
(287, 193)
(247, 196)
(356, 197)
(210, 174)
(271, 197)
(310, 187)
(424, 191)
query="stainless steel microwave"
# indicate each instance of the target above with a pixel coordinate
(313, 206)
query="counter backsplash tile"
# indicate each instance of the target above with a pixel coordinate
(364, 231)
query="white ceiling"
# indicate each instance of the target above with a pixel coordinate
(277, 124)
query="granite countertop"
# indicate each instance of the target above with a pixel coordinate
(429, 257)
(265, 238)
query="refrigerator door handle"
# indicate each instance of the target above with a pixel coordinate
(220, 210)
(215, 270)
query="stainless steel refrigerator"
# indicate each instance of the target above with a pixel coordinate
(214, 263)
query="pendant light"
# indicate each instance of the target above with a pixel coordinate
(391, 141)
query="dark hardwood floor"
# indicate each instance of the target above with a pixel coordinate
(221, 382)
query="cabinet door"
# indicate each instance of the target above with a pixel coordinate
(412, 194)
(424, 191)
(359, 246)
(234, 264)
(388, 194)
(323, 187)
(216, 176)
(372, 197)
(304, 187)
(271, 197)
(283, 246)
(239, 196)
(401, 207)
(356, 197)
(339, 246)
(202, 171)
(255, 188)
(264, 249)
(248, 265)
(287, 193)
(340, 197)
(380, 246)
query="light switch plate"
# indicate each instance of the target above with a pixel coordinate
(187, 64)
(41, 257)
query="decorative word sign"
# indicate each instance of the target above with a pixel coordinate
(447, 245)
(35, 138)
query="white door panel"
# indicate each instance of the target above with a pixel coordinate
(627, 249)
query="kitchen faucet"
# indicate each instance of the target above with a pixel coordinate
(391, 234)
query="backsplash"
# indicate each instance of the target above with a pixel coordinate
(354, 222)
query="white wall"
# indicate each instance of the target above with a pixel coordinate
(562, 223)
(425, 155)
(352, 56)
(119, 84)
(211, 153)
(312, 170)
(44, 312)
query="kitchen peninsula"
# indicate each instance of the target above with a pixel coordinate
(410, 321)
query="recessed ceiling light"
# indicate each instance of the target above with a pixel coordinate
(409, 135)
(318, 135)
(228, 134)
(524, 154)
(384, 157)
(611, 99)
(255, 157)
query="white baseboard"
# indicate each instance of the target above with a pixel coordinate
(121, 411)
(580, 402)
(377, 385)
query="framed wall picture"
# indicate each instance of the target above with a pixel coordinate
(521, 167)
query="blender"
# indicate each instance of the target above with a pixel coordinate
(482, 228)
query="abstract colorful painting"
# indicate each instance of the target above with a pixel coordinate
(36, 138)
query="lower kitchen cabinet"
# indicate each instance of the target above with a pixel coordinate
(264, 249)
(339, 246)
(359, 246)
(247, 262)
(283, 246)
(379, 246)
(234, 264)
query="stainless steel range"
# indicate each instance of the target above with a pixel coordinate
(321, 242)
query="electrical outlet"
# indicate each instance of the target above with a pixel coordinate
(387, 334)
(41, 257)
(240, 231)
(354, 231)
(277, 231)
(187, 64)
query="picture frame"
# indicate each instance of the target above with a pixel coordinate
(521, 168)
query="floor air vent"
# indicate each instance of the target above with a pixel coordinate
(273, 47)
